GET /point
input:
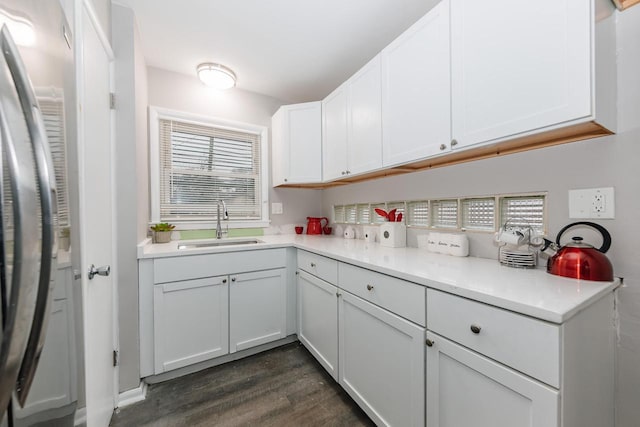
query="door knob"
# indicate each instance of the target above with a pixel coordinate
(105, 270)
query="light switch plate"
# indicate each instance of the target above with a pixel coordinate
(276, 208)
(592, 203)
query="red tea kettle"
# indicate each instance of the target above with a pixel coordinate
(580, 260)
(314, 225)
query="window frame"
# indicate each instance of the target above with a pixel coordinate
(155, 115)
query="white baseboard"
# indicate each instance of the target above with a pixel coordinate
(80, 419)
(132, 396)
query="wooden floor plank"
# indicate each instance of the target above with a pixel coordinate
(281, 387)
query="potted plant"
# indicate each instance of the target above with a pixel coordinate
(162, 232)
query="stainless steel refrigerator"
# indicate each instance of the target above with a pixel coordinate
(37, 109)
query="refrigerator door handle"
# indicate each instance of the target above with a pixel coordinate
(48, 204)
(20, 266)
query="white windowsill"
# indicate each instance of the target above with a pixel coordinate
(212, 225)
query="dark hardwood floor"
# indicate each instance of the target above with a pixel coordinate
(282, 387)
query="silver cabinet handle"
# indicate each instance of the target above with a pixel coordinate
(285, 180)
(105, 270)
(443, 147)
(369, 287)
(313, 264)
(475, 329)
(21, 282)
(233, 279)
(430, 343)
(224, 280)
(454, 142)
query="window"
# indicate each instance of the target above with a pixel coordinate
(523, 212)
(52, 109)
(364, 214)
(351, 214)
(418, 213)
(478, 214)
(444, 213)
(197, 162)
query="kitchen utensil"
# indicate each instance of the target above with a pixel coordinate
(327, 229)
(580, 260)
(314, 224)
(299, 229)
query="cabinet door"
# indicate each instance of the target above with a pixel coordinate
(365, 119)
(466, 389)
(518, 68)
(318, 320)
(190, 322)
(416, 116)
(297, 144)
(334, 134)
(381, 362)
(257, 308)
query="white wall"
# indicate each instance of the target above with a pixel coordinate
(609, 161)
(185, 93)
(132, 193)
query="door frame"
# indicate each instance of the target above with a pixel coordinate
(81, 6)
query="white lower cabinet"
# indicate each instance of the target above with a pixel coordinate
(318, 320)
(381, 362)
(191, 322)
(467, 389)
(257, 308)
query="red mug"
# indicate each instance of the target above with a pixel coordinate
(299, 229)
(327, 229)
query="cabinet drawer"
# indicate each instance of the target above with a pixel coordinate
(322, 267)
(523, 343)
(398, 296)
(208, 265)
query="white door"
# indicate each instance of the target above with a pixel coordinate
(96, 218)
(467, 389)
(334, 135)
(190, 322)
(381, 362)
(304, 130)
(318, 320)
(518, 69)
(365, 119)
(416, 97)
(257, 308)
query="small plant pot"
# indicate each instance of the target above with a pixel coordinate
(162, 236)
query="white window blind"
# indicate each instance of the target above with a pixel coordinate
(364, 215)
(418, 213)
(478, 214)
(444, 213)
(523, 211)
(200, 165)
(338, 214)
(53, 116)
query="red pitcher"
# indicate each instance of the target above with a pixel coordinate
(314, 225)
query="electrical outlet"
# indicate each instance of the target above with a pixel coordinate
(276, 208)
(592, 203)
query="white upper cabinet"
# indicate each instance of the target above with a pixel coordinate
(517, 70)
(352, 128)
(334, 134)
(416, 98)
(297, 144)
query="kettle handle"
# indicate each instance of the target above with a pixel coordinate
(606, 237)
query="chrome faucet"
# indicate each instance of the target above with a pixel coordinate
(225, 216)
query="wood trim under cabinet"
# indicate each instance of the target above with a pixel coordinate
(625, 4)
(550, 138)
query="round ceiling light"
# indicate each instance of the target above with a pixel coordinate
(216, 75)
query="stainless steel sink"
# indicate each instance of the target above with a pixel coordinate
(217, 243)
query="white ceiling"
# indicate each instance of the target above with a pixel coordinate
(292, 50)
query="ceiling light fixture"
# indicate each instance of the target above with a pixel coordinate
(216, 75)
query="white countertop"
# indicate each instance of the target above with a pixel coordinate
(528, 291)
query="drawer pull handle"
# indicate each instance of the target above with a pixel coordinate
(475, 329)
(369, 287)
(233, 279)
(313, 264)
(430, 343)
(224, 280)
